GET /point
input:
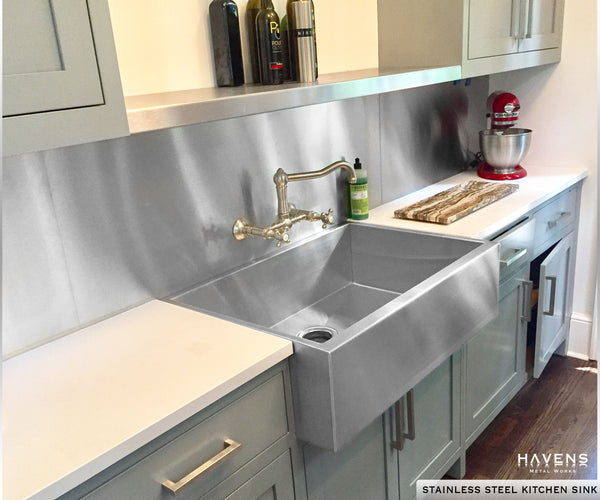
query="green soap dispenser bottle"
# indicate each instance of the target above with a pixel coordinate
(359, 194)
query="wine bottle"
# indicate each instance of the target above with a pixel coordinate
(285, 47)
(227, 46)
(252, 9)
(268, 36)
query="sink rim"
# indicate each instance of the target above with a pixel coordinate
(344, 335)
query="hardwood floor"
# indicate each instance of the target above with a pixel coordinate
(555, 414)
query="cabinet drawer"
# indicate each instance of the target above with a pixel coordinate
(255, 421)
(516, 246)
(555, 220)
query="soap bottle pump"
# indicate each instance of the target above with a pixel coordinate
(359, 195)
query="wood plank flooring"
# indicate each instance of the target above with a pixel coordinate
(553, 414)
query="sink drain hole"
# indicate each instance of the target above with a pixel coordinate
(319, 334)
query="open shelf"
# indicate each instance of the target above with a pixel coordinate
(187, 107)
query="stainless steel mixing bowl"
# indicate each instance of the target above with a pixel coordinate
(504, 149)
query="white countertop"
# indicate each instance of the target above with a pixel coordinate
(77, 405)
(540, 184)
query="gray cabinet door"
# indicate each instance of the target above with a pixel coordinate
(544, 25)
(357, 472)
(495, 359)
(49, 62)
(274, 482)
(491, 28)
(553, 303)
(436, 444)
(61, 83)
(506, 27)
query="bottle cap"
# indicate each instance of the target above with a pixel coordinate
(357, 163)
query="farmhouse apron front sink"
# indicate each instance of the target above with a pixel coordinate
(371, 312)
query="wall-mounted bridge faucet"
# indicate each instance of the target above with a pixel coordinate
(288, 214)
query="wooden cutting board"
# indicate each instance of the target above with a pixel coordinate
(456, 202)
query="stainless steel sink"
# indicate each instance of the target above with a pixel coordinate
(371, 311)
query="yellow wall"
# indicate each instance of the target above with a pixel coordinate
(164, 46)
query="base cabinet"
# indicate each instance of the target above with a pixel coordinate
(436, 445)
(356, 472)
(495, 358)
(500, 358)
(374, 467)
(241, 447)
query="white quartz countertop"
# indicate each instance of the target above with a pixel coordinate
(540, 184)
(77, 405)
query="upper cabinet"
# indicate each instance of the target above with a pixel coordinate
(483, 37)
(61, 82)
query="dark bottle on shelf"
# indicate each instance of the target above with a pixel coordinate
(227, 46)
(285, 48)
(268, 36)
(252, 9)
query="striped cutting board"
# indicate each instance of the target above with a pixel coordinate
(456, 202)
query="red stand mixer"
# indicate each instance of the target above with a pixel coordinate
(502, 146)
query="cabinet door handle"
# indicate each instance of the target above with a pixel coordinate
(515, 17)
(401, 436)
(527, 290)
(554, 223)
(175, 488)
(398, 443)
(410, 410)
(552, 280)
(524, 20)
(527, 19)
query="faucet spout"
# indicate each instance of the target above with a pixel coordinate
(344, 165)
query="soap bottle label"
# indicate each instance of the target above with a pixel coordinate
(359, 201)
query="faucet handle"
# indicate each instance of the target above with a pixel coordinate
(327, 218)
(281, 237)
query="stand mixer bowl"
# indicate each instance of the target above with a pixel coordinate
(503, 149)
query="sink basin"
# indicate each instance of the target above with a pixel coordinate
(371, 312)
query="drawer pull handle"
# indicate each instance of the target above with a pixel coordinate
(518, 253)
(175, 488)
(554, 223)
(552, 280)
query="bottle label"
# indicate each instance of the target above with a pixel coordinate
(359, 200)
(275, 39)
(302, 32)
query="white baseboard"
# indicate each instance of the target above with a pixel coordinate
(580, 337)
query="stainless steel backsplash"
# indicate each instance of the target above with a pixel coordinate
(92, 230)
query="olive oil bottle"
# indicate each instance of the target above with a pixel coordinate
(268, 37)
